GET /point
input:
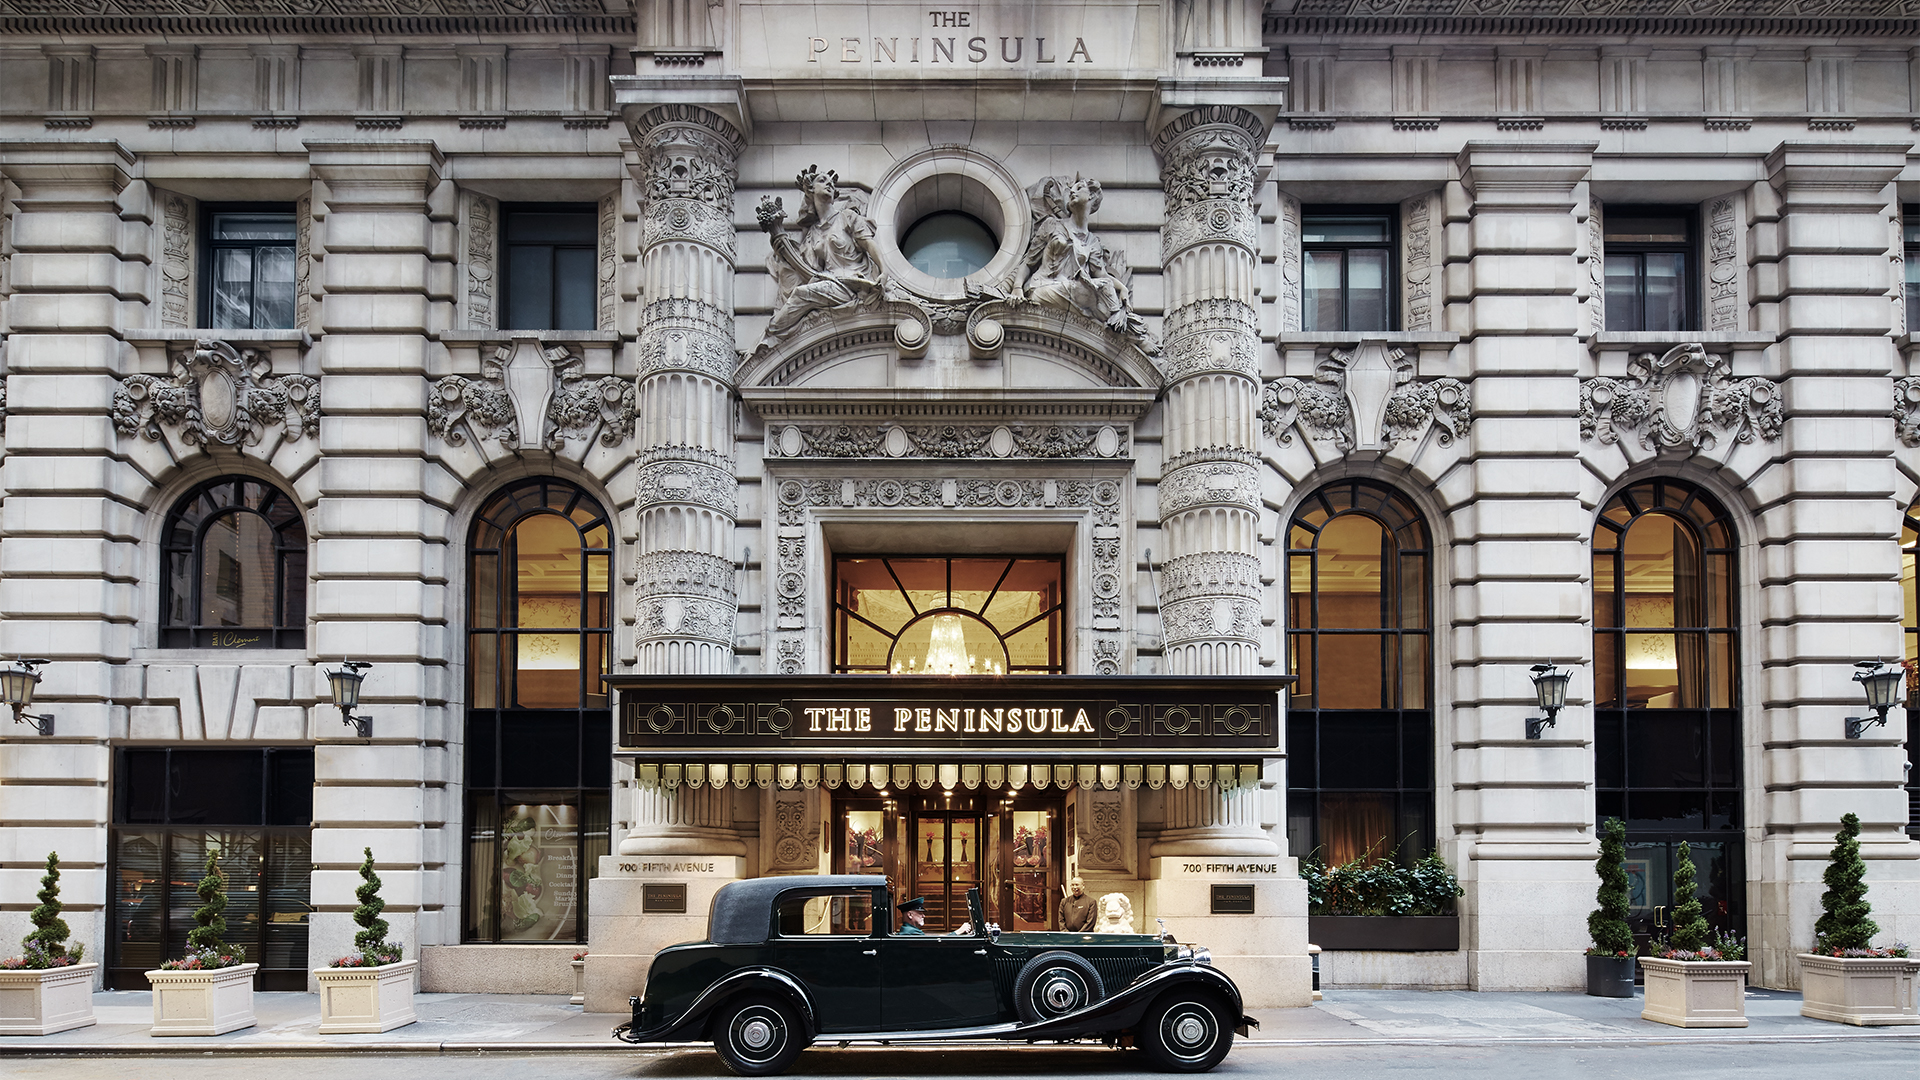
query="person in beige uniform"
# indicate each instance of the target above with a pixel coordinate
(1078, 910)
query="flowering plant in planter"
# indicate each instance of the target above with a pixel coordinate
(1692, 938)
(205, 949)
(46, 947)
(581, 955)
(1843, 928)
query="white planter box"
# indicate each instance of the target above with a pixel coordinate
(579, 983)
(1867, 991)
(44, 1002)
(366, 1001)
(202, 1002)
(1695, 993)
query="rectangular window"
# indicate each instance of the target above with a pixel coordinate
(249, 269)
(847, 913)
(1910, 238)
(937, 616)
(1650, 263)
(1347, 270)
(552, 253)
(253, 810)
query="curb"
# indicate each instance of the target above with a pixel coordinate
(173, 1047)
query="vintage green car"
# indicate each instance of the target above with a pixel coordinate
(789, 961)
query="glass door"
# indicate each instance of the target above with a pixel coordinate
(944, 856)
(1023, 862)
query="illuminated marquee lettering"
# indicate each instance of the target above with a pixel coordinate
(976, 721)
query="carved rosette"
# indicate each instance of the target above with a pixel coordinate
(684, 477)
(1685, 397)
(218, 393)
(1366, 399)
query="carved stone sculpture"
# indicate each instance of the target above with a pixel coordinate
(529, 398)
(1366, 399)
(1906, 410)
(218, 393)
(1685, 397)
(1066, 266)
(834, 263)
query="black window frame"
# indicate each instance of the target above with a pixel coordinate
(1910, 620)
(184, 536)
(1910, 251)
(1389, 217)
(273, 827)
(510, 249)
(1415, 746)
(210, 244)
(1055, 616)
(533, 755)
(1689, 249)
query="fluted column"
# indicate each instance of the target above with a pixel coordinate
(685, 484)
(1209, 486)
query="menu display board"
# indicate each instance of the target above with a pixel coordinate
(540, 873)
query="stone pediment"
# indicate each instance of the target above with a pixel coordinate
(990, 346)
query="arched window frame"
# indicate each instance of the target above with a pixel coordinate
(1334, 753)
(1910, 623)
(183, 539)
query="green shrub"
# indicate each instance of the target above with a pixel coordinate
(1843, 922)
(372, 942)
(46, 945)
(1607, 924)
(1690, 928)
(1380, 886)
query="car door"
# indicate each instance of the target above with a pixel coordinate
(937, 982)
(822, 938)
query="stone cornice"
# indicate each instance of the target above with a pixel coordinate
(321, 18)
(1710, 18)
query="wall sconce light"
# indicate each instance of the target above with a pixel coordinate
(1882, 686)
(1550, 688)
(346, 694)
(17, 684)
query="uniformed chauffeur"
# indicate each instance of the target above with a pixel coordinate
(913, 916)
(1078, 911)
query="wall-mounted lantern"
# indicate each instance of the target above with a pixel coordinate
(1550, 688)
(17, 684)
(1882, 686)
(346, 694)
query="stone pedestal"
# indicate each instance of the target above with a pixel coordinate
(1696, 993)
(625, 935)
(202, 1002)
(1265, 953)
(1864, 991)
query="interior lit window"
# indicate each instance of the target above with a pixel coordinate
(936, 616)
(949, 244)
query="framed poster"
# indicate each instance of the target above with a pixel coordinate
(1637, 872)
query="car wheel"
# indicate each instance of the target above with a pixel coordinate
(1185, 1032)
(757, 1036)
(1055, 984)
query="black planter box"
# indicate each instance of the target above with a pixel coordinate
(1385, 933)
(1610, 976)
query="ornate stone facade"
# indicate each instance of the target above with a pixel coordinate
(218, 394)
(1684, 397)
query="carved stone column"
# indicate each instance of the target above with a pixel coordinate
(685, 484)
(684, 468)
(1209, 487)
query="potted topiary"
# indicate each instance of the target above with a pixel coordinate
(210, 990)
(46, 989)
(372, 990)
(1610, 960)
(1699, 977)
(1844, 978)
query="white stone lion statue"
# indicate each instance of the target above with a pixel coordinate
(1116, 914)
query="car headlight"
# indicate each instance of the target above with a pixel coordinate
(1202, 956)
(1182, 952)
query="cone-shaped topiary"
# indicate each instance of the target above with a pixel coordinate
(50, 931)
(1689, 925)
(1608, 922)
(208, 936)
(1843, 923)
(372, 938)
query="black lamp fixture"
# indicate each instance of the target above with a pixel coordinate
(1882, 685)
(346, 694)
(1550, 688)
(17, 684)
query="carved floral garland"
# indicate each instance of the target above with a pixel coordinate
(218, 393)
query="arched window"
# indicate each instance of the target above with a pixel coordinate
(1910, 619)
(940, 616)
(1359, 724)
(234, 573)
(1666, 721)
(539, 732)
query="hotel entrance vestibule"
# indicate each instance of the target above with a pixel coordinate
(939, 844)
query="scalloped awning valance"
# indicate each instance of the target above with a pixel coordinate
(949, 775)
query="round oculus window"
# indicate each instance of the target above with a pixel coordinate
(949, 244)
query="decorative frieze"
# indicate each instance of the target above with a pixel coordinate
(482, 228)
(176, 262)
(1684, 397)
(1214, 483)
(1724, 309)
(1596, 267)
(1416, 263)
(529, 398)
(919, 441)
(1366, 399)
(218, 393)
(303, 262)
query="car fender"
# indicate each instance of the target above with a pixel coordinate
(1124, 1009)
(691, 1024)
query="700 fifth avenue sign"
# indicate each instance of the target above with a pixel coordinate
(804, 715)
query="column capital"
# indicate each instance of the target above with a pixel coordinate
(1520, 176)
(45, 161)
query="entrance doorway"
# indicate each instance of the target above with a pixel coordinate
(940, 844)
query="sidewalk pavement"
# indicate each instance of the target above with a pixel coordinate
(523, 1023)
